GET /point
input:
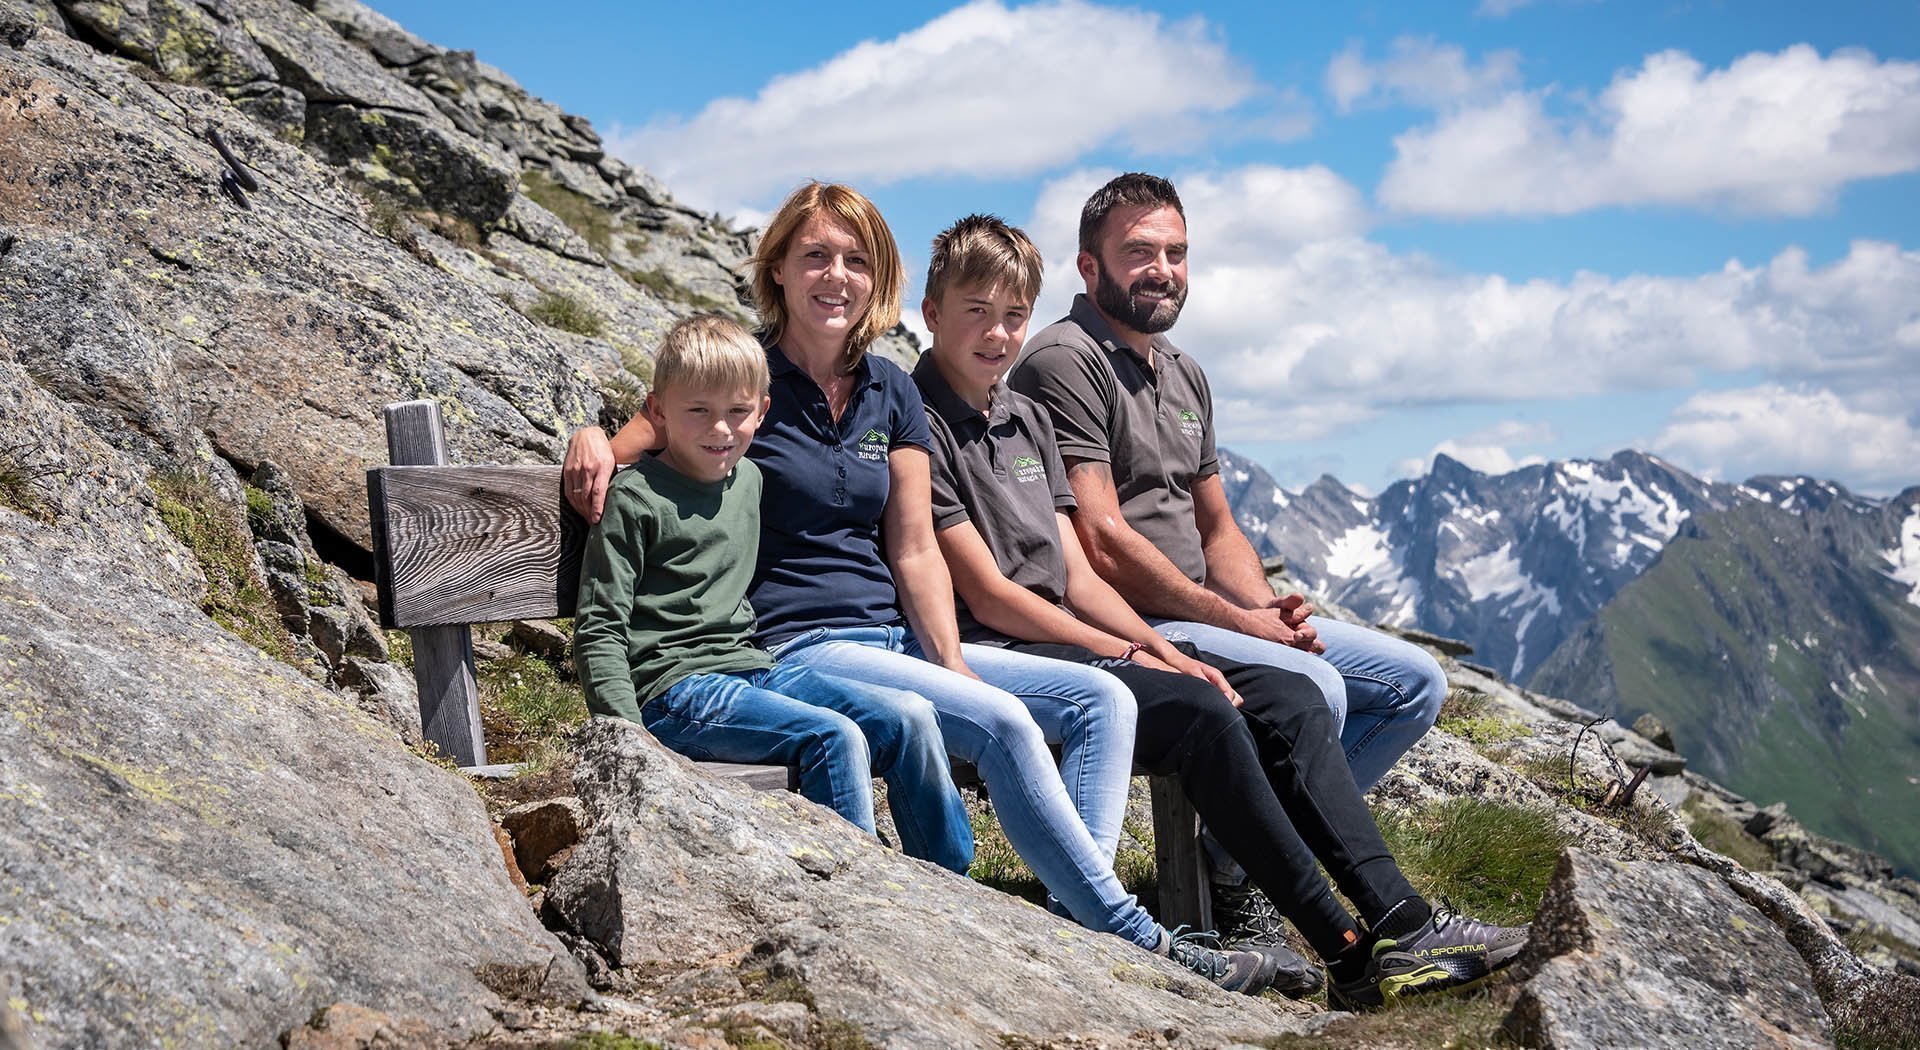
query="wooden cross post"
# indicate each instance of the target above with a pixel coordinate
(442, 656)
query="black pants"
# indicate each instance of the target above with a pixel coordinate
(1271, 782)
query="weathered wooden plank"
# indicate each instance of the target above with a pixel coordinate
(475, 544)
(760, 778)
(442, 656)
(1181, 861)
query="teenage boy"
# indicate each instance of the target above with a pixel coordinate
(1134, 419)
(662, 624)
(1254, 747)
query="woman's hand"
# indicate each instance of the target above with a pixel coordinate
(589, 467)
(1188, 665)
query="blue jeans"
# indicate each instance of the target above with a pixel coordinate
(1384, 693)
(840, 734)
(1064, 822)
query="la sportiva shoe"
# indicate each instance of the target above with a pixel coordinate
(1468, 949)
(1388, 976)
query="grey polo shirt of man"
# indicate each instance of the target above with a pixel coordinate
(1000, 471)
(1152, 424)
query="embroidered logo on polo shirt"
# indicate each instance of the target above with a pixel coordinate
(1190, 423)
(873, 445)
(1027, 469)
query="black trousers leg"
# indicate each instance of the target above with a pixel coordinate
(1187, 729)
(1307, 771)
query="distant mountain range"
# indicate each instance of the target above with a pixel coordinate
(1774, 625)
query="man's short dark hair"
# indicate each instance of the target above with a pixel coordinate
(1133, 190)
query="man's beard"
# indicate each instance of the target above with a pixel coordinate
(1149, 318)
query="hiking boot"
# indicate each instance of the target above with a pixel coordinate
(1252, 923)
(1248, 972)
(1468, 949)
(1389, 974)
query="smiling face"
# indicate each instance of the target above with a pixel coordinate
(825, 277)
(1139, 279)
(706, 431)
(977, 333)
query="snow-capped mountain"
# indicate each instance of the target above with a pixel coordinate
(1512, 562)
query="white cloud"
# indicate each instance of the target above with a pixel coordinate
(1774, 429)
(983, 90)
(1488, 450)
(1307, 328)
(1771, 133)
(1417, 72)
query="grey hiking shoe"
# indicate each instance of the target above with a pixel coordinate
(1466, 948)
(1248, 972)
(1389, 975)
(1251, 923)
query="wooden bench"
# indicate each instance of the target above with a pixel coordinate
(459, 545)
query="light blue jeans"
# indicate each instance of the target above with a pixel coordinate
(1385, 693)
(840, 733)
(1064, 822)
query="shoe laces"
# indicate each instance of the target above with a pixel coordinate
(1189, 948)
(1253, 919)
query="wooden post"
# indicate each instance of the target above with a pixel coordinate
(1180, 858)
(442, 656)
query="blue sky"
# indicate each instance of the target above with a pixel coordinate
(1498, 228)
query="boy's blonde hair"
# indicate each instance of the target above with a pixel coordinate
(856, 213)
(984, 250)
(710, 352)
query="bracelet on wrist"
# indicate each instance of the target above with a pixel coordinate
(1132, 647)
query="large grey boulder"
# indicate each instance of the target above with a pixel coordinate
(201, 848)
(681, 867)
(1648, 954)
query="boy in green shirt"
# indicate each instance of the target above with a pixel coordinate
(662, 623)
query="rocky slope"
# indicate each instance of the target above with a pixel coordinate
(211, 828)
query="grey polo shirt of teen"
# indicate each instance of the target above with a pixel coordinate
(1152, 424)
(1001, 471)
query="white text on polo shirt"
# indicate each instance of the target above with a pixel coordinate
(1190, 423)
(1027, 470)
(873, 446)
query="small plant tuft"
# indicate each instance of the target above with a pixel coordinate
(1492, 860)
(562, 311)
(1724, 835)
(218, 538)
(581, 213)
(610, 1041)
(1468, 714)
(17, 477)
(526, 708)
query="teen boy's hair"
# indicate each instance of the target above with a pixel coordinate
(856, 213)
(983, 251)
(709, 352)
(1135, 189)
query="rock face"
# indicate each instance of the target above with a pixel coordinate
(1645, 954)
(899, 947)
(202, 847)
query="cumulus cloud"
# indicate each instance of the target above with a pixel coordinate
(984, 90)
(1775, 429)
(1307, 328)
(1417, 72)
(1488, 450)
(1771, 133)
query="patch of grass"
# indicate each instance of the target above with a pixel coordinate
(1468, 714)
(1440, 1022)
(1645, 820)
(1134, 861)
(610, 1041)
(260, 512)
(562, 311)
(581, 213)
(219, 541)
(670, 290)
(621, 398)
(524, 707)
(400, 648)
(1490, 859)
(1722, 834)
(836, 1033)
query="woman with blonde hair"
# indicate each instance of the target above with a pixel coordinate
(851, 581)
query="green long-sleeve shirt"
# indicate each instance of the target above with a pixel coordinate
(663, 585)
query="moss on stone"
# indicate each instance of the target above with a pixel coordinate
(582, 214)
(562, 311)
(218, 538)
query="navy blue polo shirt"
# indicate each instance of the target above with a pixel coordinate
(825, 486)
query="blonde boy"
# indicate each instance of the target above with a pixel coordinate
(662, 624)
